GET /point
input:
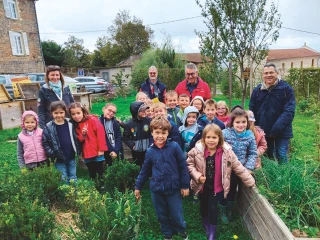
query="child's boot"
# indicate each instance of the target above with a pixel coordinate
(212, 232)
(205, 222)
(223, 214)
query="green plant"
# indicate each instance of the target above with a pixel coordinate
(122, 90)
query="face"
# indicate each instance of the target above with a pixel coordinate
(211, 140)
(221, 111)
(197, 104)
(192, 118)
(153, 74)
(142, 114)
(191, 76)
(171, 102)
(210, 112)
(184, 102)
(30, 123)
(142, 98)
(240, 124)
(54, 76)
(149, 113)
(58, 115)
(76, 114)
(160, 136)
(269, 76)
(109, 112)
(160, 112)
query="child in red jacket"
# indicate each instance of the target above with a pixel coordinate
(90, 133)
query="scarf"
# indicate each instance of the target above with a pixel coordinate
(241, 135)
(224, 119)
(56, 87)
(155, 87)
(265, 87)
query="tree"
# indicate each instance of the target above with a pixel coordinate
(52, 52)
(240, 31)
(76, 55)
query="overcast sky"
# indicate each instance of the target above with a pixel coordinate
(82, 15)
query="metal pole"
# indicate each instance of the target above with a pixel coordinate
(230, 84)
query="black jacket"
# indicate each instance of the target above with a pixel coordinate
(51, 144)
(45, 98)
(145, 87)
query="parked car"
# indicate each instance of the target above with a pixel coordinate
(7, 80)
(36, 77)
(93, 84)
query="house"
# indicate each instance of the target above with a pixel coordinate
(195, 58)
(20, 47)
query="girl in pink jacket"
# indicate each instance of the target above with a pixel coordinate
(210, 164)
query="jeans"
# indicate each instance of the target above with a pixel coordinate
(277, 149)
(68, 170)
(169, 212)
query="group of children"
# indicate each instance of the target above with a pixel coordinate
(173, 143)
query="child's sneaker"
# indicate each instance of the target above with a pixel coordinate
(195, 198)
(184, 235)
(167, 237)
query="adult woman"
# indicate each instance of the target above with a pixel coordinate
(53, 90)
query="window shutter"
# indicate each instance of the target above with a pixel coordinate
(13, 43)
(6, 8)
(26, 45)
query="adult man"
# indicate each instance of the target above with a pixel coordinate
(193, 85)
(153, 87)
(273, 104)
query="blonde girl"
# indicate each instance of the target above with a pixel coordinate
(223, 113)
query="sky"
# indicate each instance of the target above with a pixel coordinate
(58, 18)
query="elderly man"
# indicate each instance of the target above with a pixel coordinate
(193, 85)
(273, 104)
(153, 87)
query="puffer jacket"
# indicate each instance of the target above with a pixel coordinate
(51, 143)
(261, 145)
(137, 131)
(197, 168)
(46, 97)
(146, 88)
(168, 167)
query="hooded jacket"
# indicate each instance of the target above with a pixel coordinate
(203, 121)
(46, 97)
(197, 167)
(174, 115)
(51, 143)
(146, 88)
(202, 89)
(261, 145)
(95, 139)
(137, 131)
(29, 147)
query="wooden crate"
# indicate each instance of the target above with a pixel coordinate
(4, 95)
(84, 98)
(260, 218)
(10, 114)
(29, 90)
(30, 104)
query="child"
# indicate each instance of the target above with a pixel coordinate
(244, 146)
(136, 133)
(60, 142)
(223, 112)
(190, 127)
(184, 102)
(210, 164)
(113, 133)
(198, 103)
(209, 117)
(142, 97)
(169, 180)
(260, 138)
(149, 111)
(172, 108)
(91, 134)
(160, 109)
(30, 152)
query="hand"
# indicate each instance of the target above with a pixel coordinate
(202, 179)
(133, 147)
(184, 192)
(113, 154)
(137, 194)
(249, 171)
(85, 129)
(100, 153)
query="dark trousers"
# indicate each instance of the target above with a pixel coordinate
(209, 204)
(234, 184)
(138, 157)
(278, 148)
(95, 169)
(169, 212)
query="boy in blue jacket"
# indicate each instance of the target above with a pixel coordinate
(169, 181)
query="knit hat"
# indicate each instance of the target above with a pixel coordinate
(197, 97)
(251, 116)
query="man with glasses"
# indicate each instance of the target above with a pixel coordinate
(193, 85)
(273, 104)
(155, 90)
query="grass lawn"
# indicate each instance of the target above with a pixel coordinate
(303, 146)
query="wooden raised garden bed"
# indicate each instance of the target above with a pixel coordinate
(84, 98)
(29, 93)
(260, 218)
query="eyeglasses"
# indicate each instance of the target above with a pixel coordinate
(152, 73)
(268, 73)
(190, 74)
(114, 112)
(222, 108)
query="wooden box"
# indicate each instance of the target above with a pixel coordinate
(84, 98)
(10, 114)
(260, 218)
(4, 95)
(29, 90)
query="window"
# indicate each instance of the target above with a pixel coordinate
(10, 7)
(283, 66)
(19, 43)
(123, 69)
(301, 65)
(312, 63)
(291, 64)
(97, 71)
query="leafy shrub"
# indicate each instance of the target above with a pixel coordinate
(309, 107)
(121, 175)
